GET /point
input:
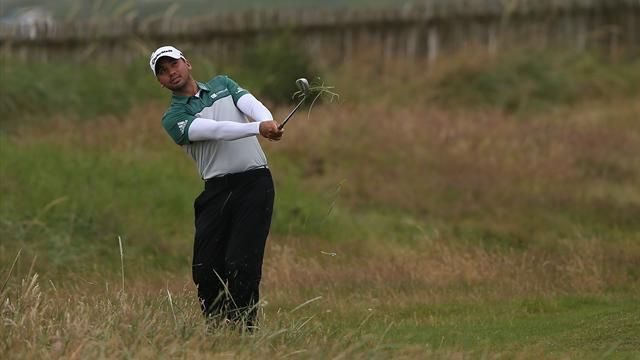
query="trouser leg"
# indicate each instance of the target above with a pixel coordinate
(252, 210)
(210, 246)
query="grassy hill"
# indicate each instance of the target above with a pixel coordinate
(484, 207)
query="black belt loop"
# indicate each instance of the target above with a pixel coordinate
(236, 178)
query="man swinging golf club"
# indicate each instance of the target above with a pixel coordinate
(233, 213)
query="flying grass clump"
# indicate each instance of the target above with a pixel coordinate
(317, 89)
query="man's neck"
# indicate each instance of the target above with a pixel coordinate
(189, 89)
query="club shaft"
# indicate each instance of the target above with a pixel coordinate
(291, 113)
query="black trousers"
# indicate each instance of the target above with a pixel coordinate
(232, 218)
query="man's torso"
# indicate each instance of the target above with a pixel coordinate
(216, 101)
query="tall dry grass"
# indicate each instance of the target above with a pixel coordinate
(86, 316)
(439, 272)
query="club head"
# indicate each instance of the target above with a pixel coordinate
(303, 86)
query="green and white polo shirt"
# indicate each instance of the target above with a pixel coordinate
(217, 101)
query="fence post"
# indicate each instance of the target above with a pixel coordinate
(412, 42)
(432, 44)
(492, 39)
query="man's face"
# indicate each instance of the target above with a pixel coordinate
(173, 74)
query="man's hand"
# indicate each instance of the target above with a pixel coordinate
(269, 130)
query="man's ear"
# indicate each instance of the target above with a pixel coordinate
(188, 64)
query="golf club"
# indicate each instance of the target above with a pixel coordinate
(303, 86)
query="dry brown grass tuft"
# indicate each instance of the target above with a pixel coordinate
(140, 129)
(102, 323)
(401, 156)
(437, 272)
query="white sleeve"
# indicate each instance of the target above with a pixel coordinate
(253, 108)
(207, 129)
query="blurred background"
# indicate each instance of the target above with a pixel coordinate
(476, 147)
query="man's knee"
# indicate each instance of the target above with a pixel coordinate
(244, 270)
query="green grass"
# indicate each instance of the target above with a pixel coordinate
(82, 89)
(516, 82)
(563, 326)
(538, 79)
(69, 203)
(559, 326)
(79, 89)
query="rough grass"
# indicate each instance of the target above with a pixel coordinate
(483, 175)
(420, 228)
(433, 302)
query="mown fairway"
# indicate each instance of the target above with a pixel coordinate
(485, 208)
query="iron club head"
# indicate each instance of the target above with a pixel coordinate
(303, 86)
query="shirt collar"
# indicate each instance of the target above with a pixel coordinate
(184, 99)
(203, 86)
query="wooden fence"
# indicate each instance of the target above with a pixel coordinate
(424, 30)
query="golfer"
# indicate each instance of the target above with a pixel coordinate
(233, 213)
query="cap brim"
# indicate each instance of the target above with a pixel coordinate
(173, 56)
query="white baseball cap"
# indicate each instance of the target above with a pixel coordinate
(163, 51)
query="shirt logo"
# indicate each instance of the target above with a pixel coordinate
(219, 93)
(182, 125)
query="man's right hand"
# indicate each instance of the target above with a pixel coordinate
(269, 130)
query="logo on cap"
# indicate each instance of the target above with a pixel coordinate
(169, 51)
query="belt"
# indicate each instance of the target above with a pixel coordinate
(235, 178)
